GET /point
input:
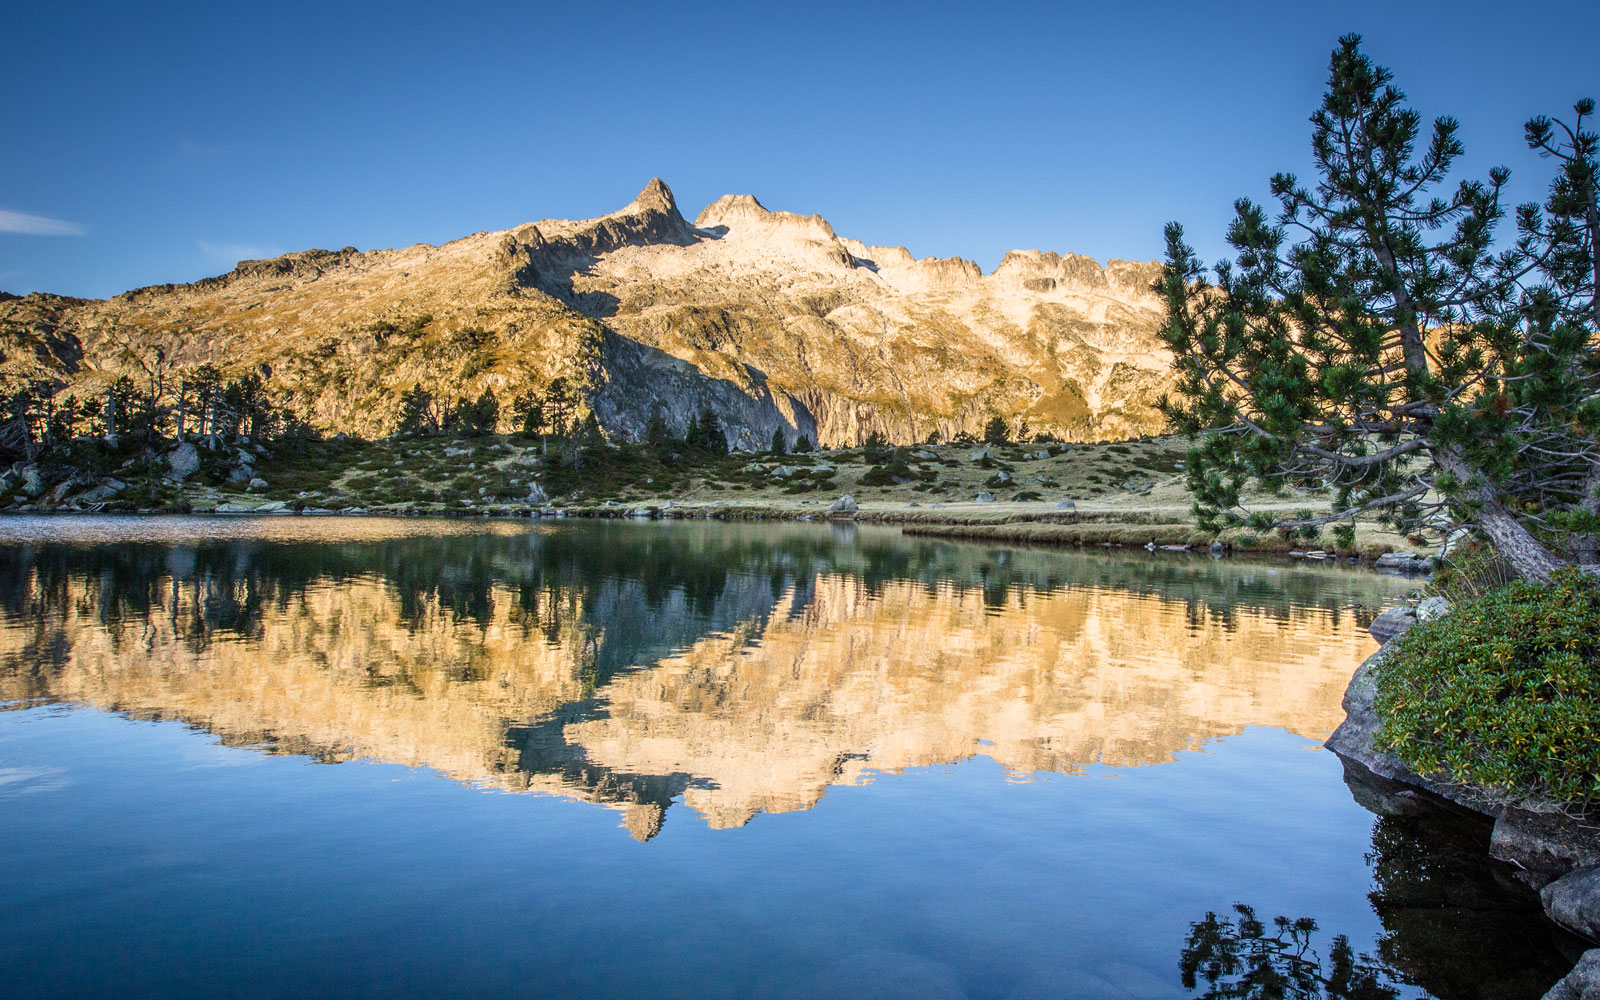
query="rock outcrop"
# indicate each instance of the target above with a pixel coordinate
(1549, 850)
(768, 318)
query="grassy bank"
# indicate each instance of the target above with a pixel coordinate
(1122, 494)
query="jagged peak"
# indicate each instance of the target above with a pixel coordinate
(656, 197)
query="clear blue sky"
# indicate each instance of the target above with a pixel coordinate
(151, 142)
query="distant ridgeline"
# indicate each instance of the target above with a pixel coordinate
(767, 319)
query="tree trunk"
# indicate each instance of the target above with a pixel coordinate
(1528, 557)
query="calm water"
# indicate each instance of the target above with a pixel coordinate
(386, 758)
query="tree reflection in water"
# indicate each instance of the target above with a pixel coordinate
(1457, 926)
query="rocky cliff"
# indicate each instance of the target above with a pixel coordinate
(769, 318)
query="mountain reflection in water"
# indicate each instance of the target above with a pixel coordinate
(739, 671)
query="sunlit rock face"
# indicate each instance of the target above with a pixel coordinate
(768, 318)
(639, 667)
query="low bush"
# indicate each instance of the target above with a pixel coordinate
(1503, 693)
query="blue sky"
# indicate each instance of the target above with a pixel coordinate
(158, 142)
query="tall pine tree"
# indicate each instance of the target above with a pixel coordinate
(1367, 341)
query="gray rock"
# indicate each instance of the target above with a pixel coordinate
(984, 497)
(1582, 983)
(60, 492)
(1393, 622)
(979, 454)
(924, 455)
(536, 494)
(823, 469)
(1217, 548)
(1430, 608)
(844, 505)
(32, 482)
(233, 507)
(240, 474)
(1002, 477)
(1573, 901)
(95, 494)
(784, 472)
(1543, 844)
(1404, 562)
(272, 505)
(258, 483)
(246, 458)
(1066, 505)
(183, 461)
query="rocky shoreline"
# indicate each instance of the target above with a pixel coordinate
(1550, 851)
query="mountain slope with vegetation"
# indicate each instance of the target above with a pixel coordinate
(767, 319)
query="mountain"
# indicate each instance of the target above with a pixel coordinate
(769, 318)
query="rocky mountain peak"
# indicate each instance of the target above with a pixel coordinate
(656, 197)
(736, 211)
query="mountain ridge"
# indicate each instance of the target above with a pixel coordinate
(769, 318)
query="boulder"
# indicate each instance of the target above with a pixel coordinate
(258, 483)
(1573, 901)
(979, 454)
(784, 472)
(183, 461)
(536, 494)
(844, 505)
(1582, 983)
(1393, 622)
(823, 469)
(1066, 505)
(984, 497)
(32, 482)
(240, 474)
(1542, 845)
(1217, 548)
(1430, 608)
(60, 492)
(1404, 562)
(924, 455)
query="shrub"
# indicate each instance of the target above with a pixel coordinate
(1502, 693)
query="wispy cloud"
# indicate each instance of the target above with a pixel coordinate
(37, 225)
(232, 253)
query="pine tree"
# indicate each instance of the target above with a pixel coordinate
(996, 431)
(1368, 342)
(802, 444)
(779, 446)
(416, 412)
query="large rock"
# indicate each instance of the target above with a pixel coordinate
(844, 505)
(1582, 983)
(536, 494)
(1573, 901)
(1542, 843)
(1353, 740)
(183, 461)
(1404, 562)
(1392, 623)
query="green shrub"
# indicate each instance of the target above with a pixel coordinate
(1502, 693)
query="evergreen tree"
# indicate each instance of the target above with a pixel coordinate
(657, 435)
(560, 406)
(802, 444)
(712, 438)
(1367, 341)
(779, 446)
(416, 412)
(528, 411)
(996, 431)
(481, 416)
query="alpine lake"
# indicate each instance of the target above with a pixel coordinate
(368, 757)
